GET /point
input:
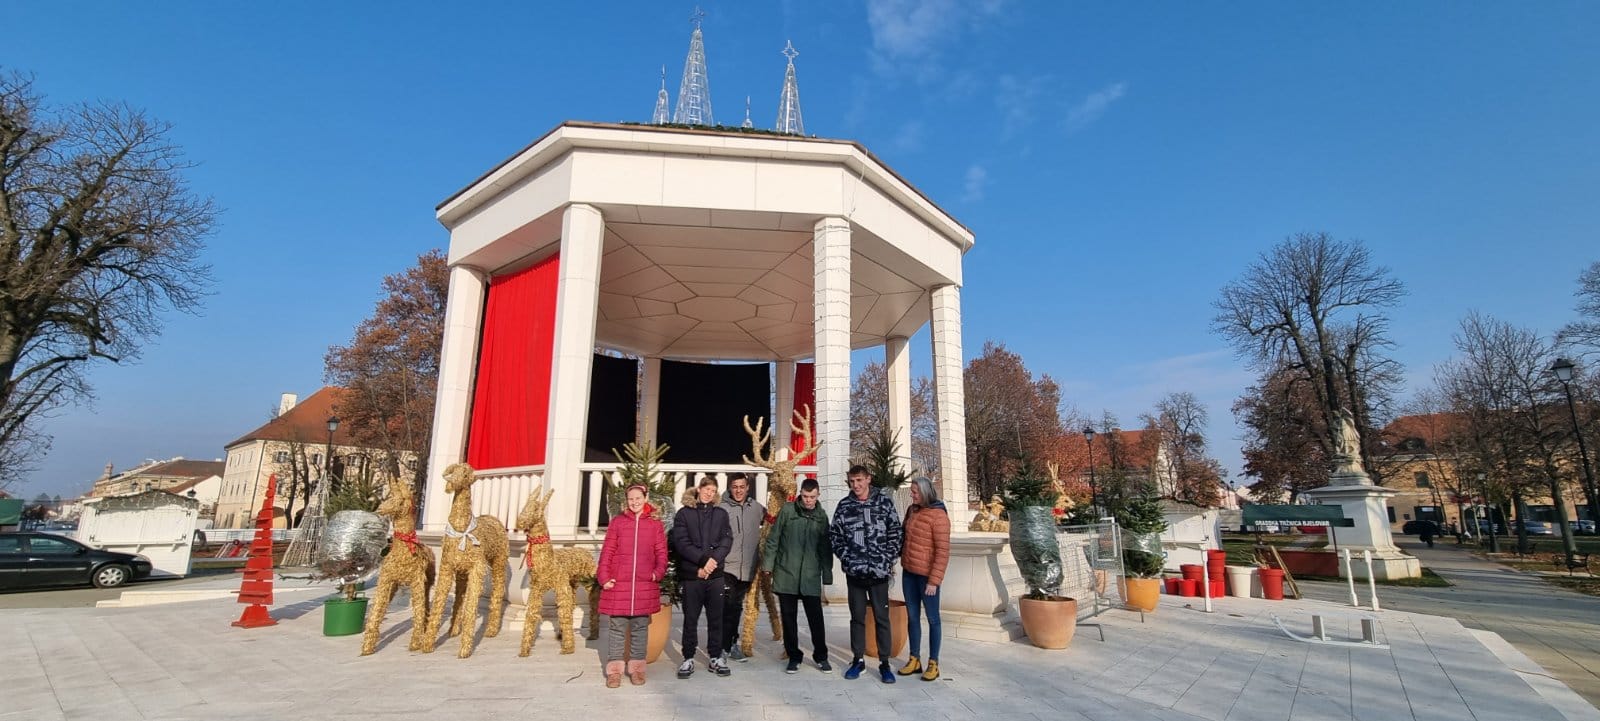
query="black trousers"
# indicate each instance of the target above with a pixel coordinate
(702, 593)
(862, 592)
(787, 603)
(732, 609)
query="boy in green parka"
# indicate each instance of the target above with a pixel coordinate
(798, 556)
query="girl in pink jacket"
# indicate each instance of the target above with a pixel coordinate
(632, 563)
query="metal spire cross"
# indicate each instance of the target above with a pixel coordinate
(661, 116)
(697, 16)
(789, 102)
(694, 92)
(789, 51)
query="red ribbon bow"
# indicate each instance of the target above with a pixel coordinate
(410, 539)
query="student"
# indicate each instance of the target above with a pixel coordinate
(866, 536)
(923, 563)
(701, 539)
(797, 556)
(744, 518)
(632, 563)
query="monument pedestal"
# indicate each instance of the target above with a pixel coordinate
(1364, 503)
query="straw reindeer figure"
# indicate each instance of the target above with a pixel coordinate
(408, 564)
(470, 544)
(781, 487)
(1063, 503)
(552, 569)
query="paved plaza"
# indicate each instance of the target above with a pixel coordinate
(184, 661)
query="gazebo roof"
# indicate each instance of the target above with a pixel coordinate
(708, 234)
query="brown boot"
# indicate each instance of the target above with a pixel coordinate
(613, 674)
(636, 672)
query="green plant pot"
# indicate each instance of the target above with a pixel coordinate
(342, 617)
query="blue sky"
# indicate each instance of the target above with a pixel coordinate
(1118, 162)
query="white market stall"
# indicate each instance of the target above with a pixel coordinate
(155, 524)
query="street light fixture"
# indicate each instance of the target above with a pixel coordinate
(327, 459)
(1563, 370)
(1094, 489)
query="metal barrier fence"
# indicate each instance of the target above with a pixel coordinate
(1091, 557)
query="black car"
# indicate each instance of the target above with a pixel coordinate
(29, 560)
(1414, 528)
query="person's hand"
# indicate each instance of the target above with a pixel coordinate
(933, 590)
(609, 584)
(704, 573)
(711, 565)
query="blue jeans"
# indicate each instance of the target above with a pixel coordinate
(915, 588)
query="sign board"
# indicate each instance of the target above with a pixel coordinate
(1266, 518)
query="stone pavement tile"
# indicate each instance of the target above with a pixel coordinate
(103, 712)
(1324, 689)
(51, 714)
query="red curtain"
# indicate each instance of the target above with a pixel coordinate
(511, 399)
(805, 395)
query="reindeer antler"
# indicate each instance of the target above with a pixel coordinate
(803, 428)
(758, 441)
(1055, 469)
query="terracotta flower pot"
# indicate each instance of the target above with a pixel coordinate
(660, 629)
(1049, 622)
(1143, 594)
(897, 630)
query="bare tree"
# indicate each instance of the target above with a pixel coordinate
(1502, 385)
(869, 413)
(1010, 414)
(1282, 426)
(1184, 470)
(1311, 306)
(1584, 334)
(99, 234)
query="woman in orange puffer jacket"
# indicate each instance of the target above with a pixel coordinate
(926, 555)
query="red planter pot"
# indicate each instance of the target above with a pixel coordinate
(1188, 587)
(1272, 583)
(1172, 586)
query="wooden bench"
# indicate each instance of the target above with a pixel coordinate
(1578, 560)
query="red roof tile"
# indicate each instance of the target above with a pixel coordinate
(306, 422)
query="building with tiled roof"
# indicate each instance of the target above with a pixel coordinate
(153, 475)
(295, 441)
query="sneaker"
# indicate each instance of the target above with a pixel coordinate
(824, 666)
(854, 672)
(719, 666)
(933, 670)
(886, 673)
(734, 654)
(687, 669)
(911, 667)
(794, 665)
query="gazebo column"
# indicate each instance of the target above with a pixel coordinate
(830, 257)
(897, 362)
(949, 400)
(784, 378)
(458, 360)
(572, 360)
(650, 400)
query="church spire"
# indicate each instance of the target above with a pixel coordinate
(694, 93)
(747, 122)
(660, 116)
(789, 103)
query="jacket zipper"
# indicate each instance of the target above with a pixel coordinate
(634, 562)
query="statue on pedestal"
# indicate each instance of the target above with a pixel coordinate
(1346, 444)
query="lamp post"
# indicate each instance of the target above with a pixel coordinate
(1563, 370)
(1483, 487)
(327, 459)
(1094, 489)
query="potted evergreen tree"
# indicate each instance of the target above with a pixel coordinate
(888, 474)
(1048, 618)
(1142, 557)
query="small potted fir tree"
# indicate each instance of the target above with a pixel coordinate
(890, 476)
(1049, 619)
(1142, 557)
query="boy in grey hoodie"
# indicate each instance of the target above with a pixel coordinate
(745, 517)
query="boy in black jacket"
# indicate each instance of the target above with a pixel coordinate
(701, 538)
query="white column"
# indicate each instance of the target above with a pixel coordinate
(572, 360)
(949, 400)
(830, 253)
(897, 361)
(458, 363)
(781, 415)
(650, 402)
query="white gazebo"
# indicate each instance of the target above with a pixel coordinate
(671, 244)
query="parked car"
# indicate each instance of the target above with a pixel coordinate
(1538, 528)
(1413, 528)
(1483, 527)
(1582, 528)
(31, 560)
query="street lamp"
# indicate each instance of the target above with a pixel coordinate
(1094, 489)
(1483, 487)
(327, 460)
(1563, 370)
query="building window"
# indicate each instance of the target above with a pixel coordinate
(411, 465)
(316, 459)
(283, 457)
(1422, 480)
(1391, 514)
